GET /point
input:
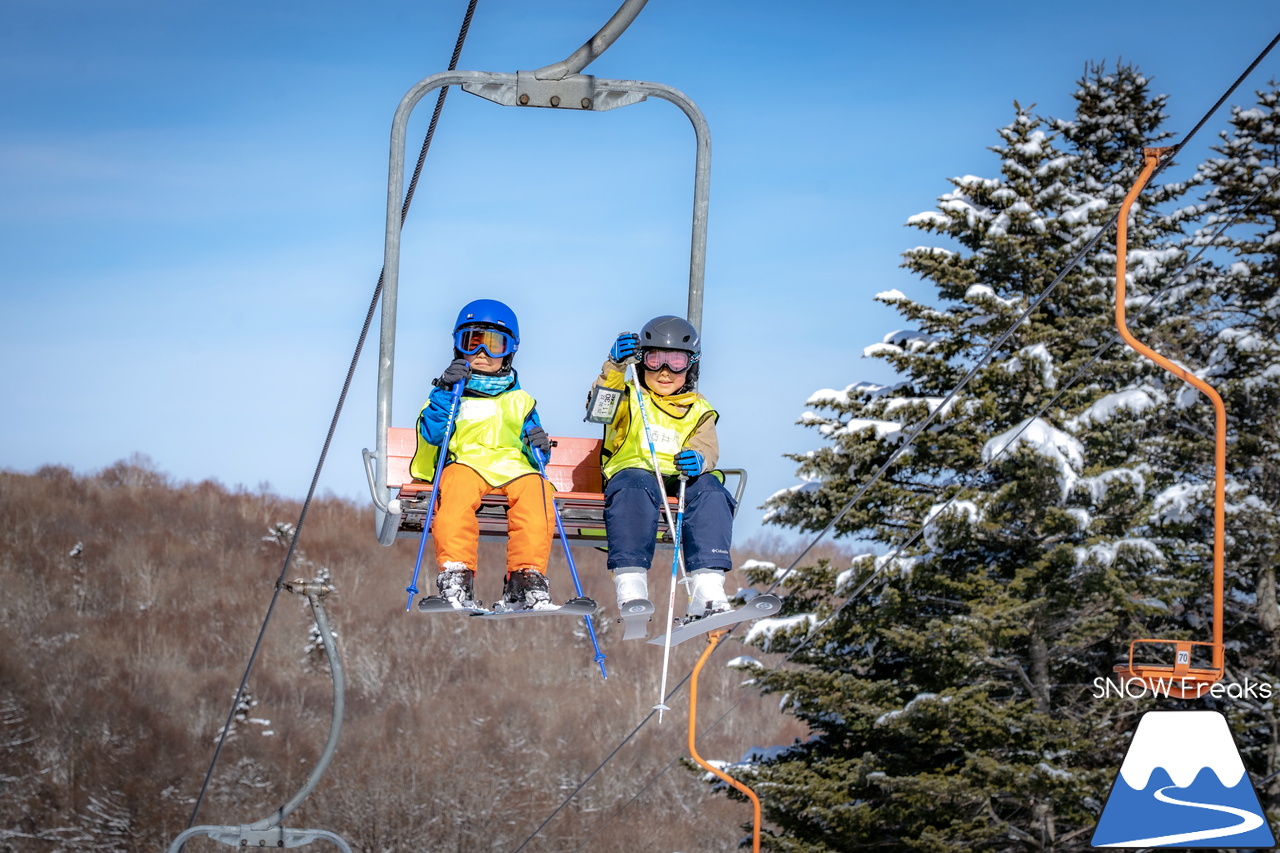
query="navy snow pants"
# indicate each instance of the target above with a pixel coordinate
(633, 504)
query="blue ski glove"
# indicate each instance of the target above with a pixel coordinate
(625, 348)
(457, 371)
(537, 437)
(689, 462)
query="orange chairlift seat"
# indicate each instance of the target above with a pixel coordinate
(574, 469)
(1183, 678)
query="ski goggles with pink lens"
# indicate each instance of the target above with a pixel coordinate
(675, 360)
(495, 342)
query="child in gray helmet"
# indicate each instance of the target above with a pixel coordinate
(682, 427)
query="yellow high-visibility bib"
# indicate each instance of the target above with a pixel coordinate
(486, 437)
(669, 434)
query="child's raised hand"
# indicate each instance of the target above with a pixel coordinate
(457, 371)
(625, 348)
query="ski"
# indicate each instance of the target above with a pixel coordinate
(438, 604)
(761, 605)
(573, 607)
(635, 616)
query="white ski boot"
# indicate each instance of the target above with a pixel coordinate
(456, 584)
(632, 586)
(706, 593)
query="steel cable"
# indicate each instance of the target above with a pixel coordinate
(333, 423)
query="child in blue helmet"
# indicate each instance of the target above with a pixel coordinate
(490, 449)
(682, 426)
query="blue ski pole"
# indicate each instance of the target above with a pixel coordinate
(541, 459)
(435, 485)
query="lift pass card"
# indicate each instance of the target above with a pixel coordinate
(602, 405)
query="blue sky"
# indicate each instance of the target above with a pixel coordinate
(192, 195)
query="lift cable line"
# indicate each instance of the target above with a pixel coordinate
(1177, 149)
(324, 452)
(915, 433)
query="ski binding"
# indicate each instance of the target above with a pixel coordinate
(756, 608)
(440, 604)
(573, 607)
(635, 616)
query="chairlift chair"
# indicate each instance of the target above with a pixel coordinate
(1183, 678)
(401, 502)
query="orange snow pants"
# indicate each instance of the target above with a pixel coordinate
(531, 520)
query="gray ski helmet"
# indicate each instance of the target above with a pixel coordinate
(669, 332)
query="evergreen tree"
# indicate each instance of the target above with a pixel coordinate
(949, 684)
(1236, 345)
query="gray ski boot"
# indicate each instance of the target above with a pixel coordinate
(527, 589)
(456, 585)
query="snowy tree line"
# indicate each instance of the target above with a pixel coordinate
(131, 605)
(1056, 508)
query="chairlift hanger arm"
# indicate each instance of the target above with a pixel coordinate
(596, 45)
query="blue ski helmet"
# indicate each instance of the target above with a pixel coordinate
(489, 312)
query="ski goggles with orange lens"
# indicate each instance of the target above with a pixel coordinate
(675, 360)
(495, 342)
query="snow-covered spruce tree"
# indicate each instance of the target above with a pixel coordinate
(1236, 348)
(952, 702)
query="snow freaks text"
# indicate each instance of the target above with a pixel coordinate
(1137, 688)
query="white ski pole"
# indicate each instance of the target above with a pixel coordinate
(676, 559)
(648, 438)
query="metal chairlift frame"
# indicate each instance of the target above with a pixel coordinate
(1182, 679)
(557, 86)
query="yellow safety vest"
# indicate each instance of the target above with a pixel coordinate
(669, 433)
(486, 438)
